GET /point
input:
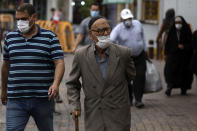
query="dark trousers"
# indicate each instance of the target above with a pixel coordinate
(139, 83)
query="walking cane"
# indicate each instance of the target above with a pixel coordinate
(76, 123)
(76, 119)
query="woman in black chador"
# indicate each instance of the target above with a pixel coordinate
(178, 51)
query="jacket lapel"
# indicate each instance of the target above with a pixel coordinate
(112, 63)
(93, 65)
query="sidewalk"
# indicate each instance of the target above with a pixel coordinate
(161, 113)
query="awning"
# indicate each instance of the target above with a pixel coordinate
(117, 1)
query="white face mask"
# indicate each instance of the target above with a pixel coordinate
(103, 41)
(23, 26)
(178, 26)
(128, 23)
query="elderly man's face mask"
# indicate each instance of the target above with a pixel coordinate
(103, 41)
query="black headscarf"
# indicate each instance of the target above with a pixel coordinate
(185, 30)
(169, 18)
(185, 38)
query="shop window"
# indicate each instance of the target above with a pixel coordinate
(150, 11)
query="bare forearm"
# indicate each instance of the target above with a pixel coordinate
(161, 30)
(4, 75)
(159, 34)
(59, 72)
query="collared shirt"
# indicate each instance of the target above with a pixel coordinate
(31, 70)
(132, 37)
(84, 29)
(102, 62)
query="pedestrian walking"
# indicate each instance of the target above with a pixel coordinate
(83, 30)
(130, 33)
(52, 13)
(178, 52)
(105, 70)
(164, 29)
(56, 16)
(31, 72)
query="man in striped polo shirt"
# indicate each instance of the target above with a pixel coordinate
(32, 70)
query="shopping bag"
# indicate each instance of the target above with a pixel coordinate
(153, 80)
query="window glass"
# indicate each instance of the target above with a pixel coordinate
(150, 11)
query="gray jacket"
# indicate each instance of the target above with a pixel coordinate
(106, 102)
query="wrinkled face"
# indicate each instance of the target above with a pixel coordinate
(99, 28)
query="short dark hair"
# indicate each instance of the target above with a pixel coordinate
(93, 20)
(52, 9)
(26, 7)
(95, 4)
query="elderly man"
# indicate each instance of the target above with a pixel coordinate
(130, 33)
(31, 72)
(105, 69)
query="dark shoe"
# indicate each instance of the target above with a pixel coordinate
(139, 104)
(168, 92)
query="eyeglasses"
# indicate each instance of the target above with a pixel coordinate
(24, 18)
(102, 31)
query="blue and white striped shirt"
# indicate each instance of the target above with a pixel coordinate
(32, 67)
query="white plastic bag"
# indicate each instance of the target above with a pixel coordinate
(153, 80)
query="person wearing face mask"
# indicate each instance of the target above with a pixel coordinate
(31, 72)
(105, 70)
(130, 33)
(178, 52)
(82, 31)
